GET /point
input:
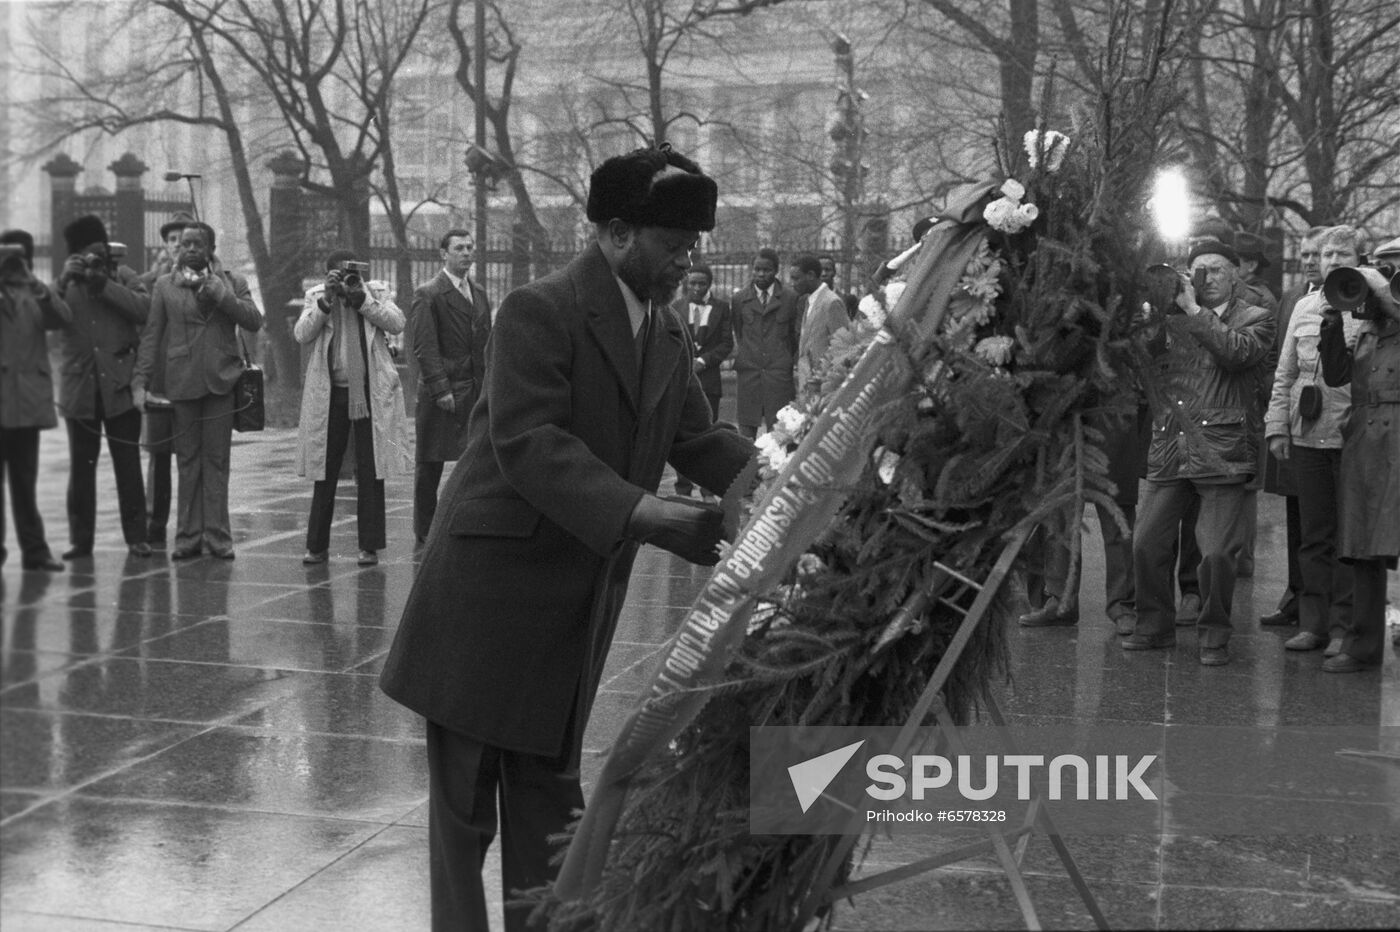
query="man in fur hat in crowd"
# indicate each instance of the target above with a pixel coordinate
(97, 355)
(589, 392)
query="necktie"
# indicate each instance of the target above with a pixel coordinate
(763, 297)
(640, 339)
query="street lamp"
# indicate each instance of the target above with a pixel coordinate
(173, 176)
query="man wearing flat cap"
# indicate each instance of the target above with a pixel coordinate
(97, 357)
(588, 393)
(1207, 411)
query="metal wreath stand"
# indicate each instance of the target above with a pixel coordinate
(951, 588)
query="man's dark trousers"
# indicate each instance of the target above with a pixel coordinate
(124, 446)
(426, 477)
(369, 491)
(538, 798)
(1220, 534)
(19, 460)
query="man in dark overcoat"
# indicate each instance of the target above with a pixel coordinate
(589, 392)
(449, 323)
(767, 326)
(707, 318)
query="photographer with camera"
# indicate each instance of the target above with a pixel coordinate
(1206, 412)
(196, 311)
(1363, 349)
(351, 380)
(28, 307)
(159, 420)
(96, 358)
(1304, 428)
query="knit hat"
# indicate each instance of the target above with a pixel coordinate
(83, 232)
(653, 187)
(178, 221)
(1212, 247)
(1252, 246)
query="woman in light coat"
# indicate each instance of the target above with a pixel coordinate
(350, 381)
(1304, 427)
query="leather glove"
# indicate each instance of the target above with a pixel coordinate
(691, 530)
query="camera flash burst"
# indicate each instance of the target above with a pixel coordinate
(1171, 205)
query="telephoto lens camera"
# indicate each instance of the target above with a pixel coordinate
(1363, 291)
(10, 251)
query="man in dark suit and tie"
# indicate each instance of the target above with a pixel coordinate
(449, 323)
(589, 393)
(707, 318)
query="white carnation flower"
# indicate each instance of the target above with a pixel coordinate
(1028, 213)
(872, 310)
(791, 420)
(997, 214)
(1013, 189)
(1053, 144)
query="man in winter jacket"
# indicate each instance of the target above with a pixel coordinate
(1206, 426)
(96, 358)
(28, 307)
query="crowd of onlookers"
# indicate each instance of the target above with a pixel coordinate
(1249, 391)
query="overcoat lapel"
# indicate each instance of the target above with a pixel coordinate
(596, 289)
(664, 350)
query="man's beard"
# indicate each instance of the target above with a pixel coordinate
(634, 275)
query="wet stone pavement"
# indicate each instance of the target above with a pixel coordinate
(203, 746)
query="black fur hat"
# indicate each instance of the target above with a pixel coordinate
(83, 232)
(653, 187)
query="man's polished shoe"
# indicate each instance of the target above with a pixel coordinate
(1148, 641)
(139, 550)
(1334, 647)
(1189, 610)
(222, 554)
(184, 553)
(1304, 640)
(77, 553)
(1344, 663)
(1125, 624)
(1049, 615)
(314, 557)
(1215, 656)
(47, 565)
(368, 558)
(1279, 618)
